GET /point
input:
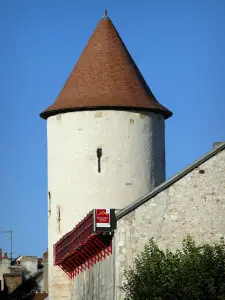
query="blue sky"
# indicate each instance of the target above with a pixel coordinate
(179, 47)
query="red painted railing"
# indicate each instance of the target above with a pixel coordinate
(83, 246)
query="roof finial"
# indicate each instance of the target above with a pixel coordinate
(105, 14)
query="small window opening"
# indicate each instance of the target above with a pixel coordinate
(59, 217)
(99, 155)
(49, 203)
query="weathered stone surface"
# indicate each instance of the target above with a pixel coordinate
(96, 283)
(12, 281)
(194, 205)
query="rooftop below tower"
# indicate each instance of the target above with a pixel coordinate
(105, 77)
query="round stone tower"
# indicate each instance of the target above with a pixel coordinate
(106, 140)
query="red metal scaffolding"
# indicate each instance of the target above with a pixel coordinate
(84, 246)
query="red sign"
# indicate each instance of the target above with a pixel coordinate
(102, 217)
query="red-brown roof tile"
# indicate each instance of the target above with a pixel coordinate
(38, 296)
(105, 77)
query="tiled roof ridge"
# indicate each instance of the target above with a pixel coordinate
(105, 77)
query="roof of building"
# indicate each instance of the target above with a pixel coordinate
(37, 296)
(105, 77)
(218, 147)
(27, 285)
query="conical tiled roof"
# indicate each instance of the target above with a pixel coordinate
(105, 77)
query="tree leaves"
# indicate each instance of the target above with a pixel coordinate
(195, 273)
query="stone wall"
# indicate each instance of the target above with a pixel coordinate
(96, 283)
(132, 164)
(45, 274)
(12, 281)
(193, 205)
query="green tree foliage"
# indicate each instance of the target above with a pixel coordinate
(194, 273)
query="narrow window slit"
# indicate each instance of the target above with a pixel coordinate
(59, 217)
(49, 203)
(99, 155)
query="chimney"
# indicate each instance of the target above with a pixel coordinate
(0, 253)
(5, 255)
(45, 255)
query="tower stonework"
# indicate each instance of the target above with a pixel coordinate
(106, 141)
